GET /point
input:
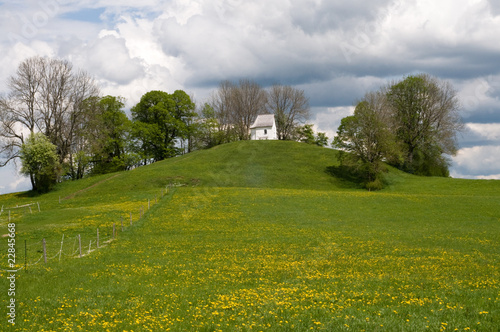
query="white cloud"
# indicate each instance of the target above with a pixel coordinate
(12, 181)
(487, 131)
(488, 177)
(328, 119)
(480, 97)
(478, 161)
(442, 23)
(108, 58)
(20, 184)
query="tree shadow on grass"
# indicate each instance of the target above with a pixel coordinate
(347, 177)
(27, 194)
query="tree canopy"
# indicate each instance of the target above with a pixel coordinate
(411, 124)
(306, 135)
(290, 107)
(40, 162)
(426, 120)
(106, 136)
(46, 95)
(160, 119)
(365, 139)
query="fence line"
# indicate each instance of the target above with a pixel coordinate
(77, 251)
(25, 206)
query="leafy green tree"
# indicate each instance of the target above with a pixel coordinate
(40, 162)
(425, 116)
(111, 128)
(160, 121)
(321, 139)
(365, 140)
(208, 130)
(306, 135)
(104, 138)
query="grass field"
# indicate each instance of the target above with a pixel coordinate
(258, 236)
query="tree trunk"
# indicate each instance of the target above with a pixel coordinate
(33, 182)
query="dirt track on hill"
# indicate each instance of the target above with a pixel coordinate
(90, 187)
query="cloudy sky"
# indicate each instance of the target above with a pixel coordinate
(334, 50)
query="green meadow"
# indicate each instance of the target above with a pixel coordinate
(255, 236)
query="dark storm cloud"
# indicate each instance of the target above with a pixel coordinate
(315, 17)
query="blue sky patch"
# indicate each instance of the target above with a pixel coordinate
(85, 15)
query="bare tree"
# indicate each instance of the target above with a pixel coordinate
(45, 96)
(249, 100)
(236, 106)
(222, 103)
(19, 111)
(425, 112)
(290, 107)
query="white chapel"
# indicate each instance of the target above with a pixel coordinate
(264, 127)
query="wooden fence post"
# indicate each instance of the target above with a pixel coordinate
(80, 244)
(60, 250)
(25, 256)
(122, 223)
(44, 251)
(114, 231)
(38, 206)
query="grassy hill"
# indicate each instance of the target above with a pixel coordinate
(257, 236)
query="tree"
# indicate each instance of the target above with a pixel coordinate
(208, 129)
(306, 135)
(236, 107)
(19, 110)
(160, 119)
(425, 112)
(290, 107)
(221, 102)
(321, 140)
(46, 96)
(185, 111)
(249, 101)
(366, 140)
(40, 162)
(105, 133)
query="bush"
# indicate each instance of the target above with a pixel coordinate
(40, 162)
(374, 185)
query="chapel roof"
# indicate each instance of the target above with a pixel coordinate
(263, 120)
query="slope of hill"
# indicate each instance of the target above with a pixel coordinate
(264, 164)
(271, 164)
(256, 236)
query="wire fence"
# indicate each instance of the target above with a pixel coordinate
(15, 211)
(29, 254)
